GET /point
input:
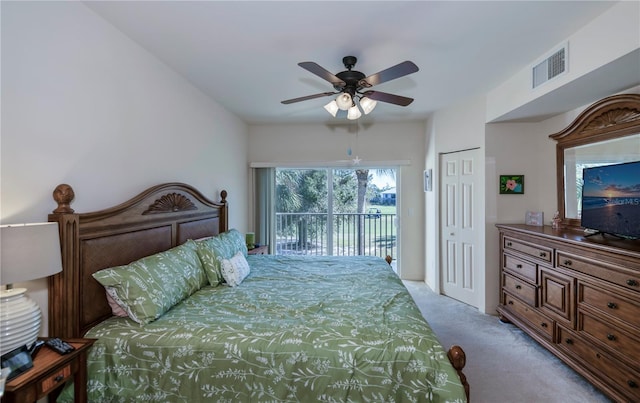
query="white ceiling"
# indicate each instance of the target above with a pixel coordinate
(244, 54)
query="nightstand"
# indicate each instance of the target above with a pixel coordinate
(259, 250)
(51, 371)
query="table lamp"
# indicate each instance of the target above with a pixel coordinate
(29, 252)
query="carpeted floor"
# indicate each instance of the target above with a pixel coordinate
(504, 365)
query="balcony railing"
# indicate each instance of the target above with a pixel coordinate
(345, 235)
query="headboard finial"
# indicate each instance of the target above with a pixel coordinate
(63, 195)
(223, 196)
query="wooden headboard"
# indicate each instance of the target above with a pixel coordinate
(157, 219)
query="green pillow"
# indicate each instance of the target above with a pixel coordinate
(149, 287)
(217, 248)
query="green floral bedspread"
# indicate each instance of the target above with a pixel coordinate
(298, 329)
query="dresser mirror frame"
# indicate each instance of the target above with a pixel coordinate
(611, 118)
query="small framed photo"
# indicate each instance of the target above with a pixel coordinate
(534, 218)
(512, 184)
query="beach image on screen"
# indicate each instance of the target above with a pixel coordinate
(611, 199)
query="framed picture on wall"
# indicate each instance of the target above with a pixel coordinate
(512, 184)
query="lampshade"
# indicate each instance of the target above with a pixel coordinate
(344, 101)
(353, 113)
(367, 104)
(29, 252)
(332, 108)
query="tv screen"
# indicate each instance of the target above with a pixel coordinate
(611, 199)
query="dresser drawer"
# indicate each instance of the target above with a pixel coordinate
(520, 288)
(609, 303)
(619, 275)
(626, 379)
(521, 268)
(538, 321)
(537, 252)
(614, 337)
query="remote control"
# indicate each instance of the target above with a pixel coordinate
(59, 346)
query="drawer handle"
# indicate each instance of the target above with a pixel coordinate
(543, 324)
(567, 262)
(510, 302)
(632, 384)
(611, 337)
(543, 254)
(632, 283)
(509, 244)
(569, 341)
(518, 287)
(519, 266)
(58, 378)
(612, 305)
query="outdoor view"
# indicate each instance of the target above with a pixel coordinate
(354, 215)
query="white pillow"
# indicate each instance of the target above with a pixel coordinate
(235, 270)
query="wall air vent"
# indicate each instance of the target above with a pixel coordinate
(551, 66)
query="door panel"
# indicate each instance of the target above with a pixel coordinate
(459, 231)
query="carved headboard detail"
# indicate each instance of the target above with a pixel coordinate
(158, 219)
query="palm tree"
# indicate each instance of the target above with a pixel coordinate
(363, 183)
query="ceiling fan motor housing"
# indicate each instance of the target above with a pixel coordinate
(351, 78)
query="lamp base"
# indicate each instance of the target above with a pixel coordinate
(20, 320)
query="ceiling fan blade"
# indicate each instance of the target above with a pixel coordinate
(390, 98)
(294, 100)
(397, 71)
(322, 73)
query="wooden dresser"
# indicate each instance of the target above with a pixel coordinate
(579, 297)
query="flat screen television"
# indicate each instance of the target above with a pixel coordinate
(611, 199)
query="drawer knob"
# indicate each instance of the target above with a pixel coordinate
(543, 324)
(612, 305)
(632, 283)
(510, 302)
(509, 244)
(611, 337)
(567, 262)
(58, 378)
(519, 266)
(632, 383)
(569, 341)
(543, 254)
(518, 287)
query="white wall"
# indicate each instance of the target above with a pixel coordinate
(610, 36)
(84, 105)
(374, 143)
(459, 127)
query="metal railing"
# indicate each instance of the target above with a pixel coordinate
(343, 235)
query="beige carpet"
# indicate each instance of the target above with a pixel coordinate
(504, 365)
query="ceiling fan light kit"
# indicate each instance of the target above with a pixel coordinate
(344, 101)
(332, 108)
(367, 104)
(353, 113)
(350, 83)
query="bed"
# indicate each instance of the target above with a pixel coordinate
(289, 328)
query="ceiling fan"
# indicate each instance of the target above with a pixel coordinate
(353, 85)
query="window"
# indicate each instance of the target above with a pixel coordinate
(312, 217)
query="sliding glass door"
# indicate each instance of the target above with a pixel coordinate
(335, 211)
